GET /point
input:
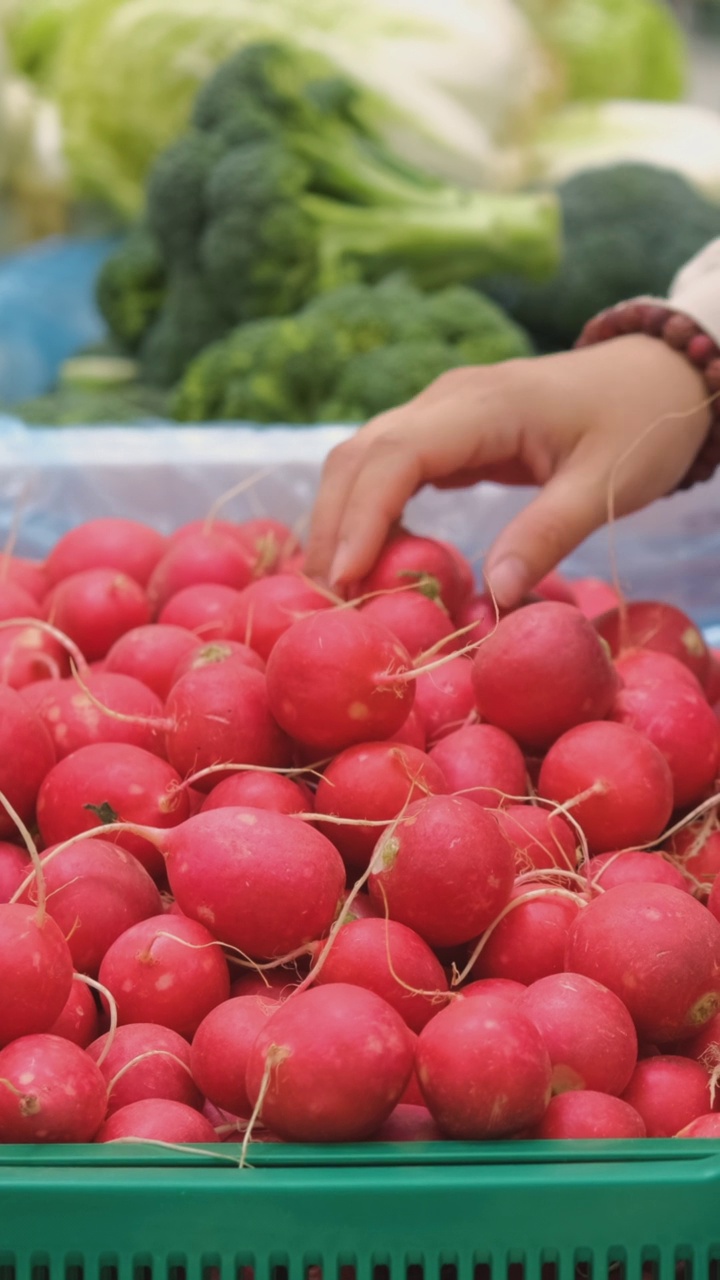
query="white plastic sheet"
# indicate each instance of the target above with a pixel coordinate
(168, 474)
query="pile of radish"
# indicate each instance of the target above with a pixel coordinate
(281, 867)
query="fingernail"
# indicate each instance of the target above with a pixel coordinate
(339, 565)
(508, 581)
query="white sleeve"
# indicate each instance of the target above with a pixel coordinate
(695, 291)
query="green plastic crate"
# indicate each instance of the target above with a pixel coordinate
(511, 1211)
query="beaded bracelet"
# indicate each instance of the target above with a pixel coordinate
(684, 336)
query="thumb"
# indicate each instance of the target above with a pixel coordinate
(569, 508)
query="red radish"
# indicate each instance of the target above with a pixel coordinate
(260, 881)
(330, 1065)
(541, 672)
(217, 651)
(628, 784)
(507, 988)
(480, 613)
(411, 733)
(26, 755)
(201, 608)
(712, 684)
(705, 1046)
(373, 781)
(540, 839)
(157, 1120)
(483, 1068)
(266, 609)
(593, 596)
(714, 900)
(151, 654)
(145, 1060)
(95, 892)
(587, 1030)
(112, 782)
(529, 942)
(388, 958)
(695, 850)
(36, 971)
(407, 559)
(207, 524)
(635, 867)
(259, 791)
(554, 587)
(362, 907)
(649, 624)
(77, 717)
(95, 607)
(668, 1092)
(50, 1091)
(444, 869)
(198, 557)
(658, 950)
(707, 1126)
(275, 983)
(107, 543)
(445, 698)
(168, 970)
(17, 603)
(483, 763)
(409, 1123)
(585, 1113)
(218, 713)
(412, 1094)
(29, 654)
(14, 866)
(681, 724)
(466, 573)
(416, 620)
(221, 1049)
(638, 667)
(335, 679)
(28, 574)
(270, 543)
(79, 1020)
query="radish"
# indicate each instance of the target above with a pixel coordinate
(95, 892)
(638, 667)
(112, 782)
(408, 1123)
(151, 654)
(266, 609)
(529, 942)
(218, 713)
(418, 621)
(658, 950)
(714, 900)
(695, 851)
(334, 679)
(587, 1030)
(373, 781)
(50, 1091)
(270, 543)
(585, 1113)
(144, 1060)
(669, 1093)
(411, 732)
(78, 717)
(444, 869)
(198, 557)
(465, 571)
(95, 607)
(330, 1065)
(17, 603)
(209, 652)
(14, 866)
(555, 587)
(407, 559)
(273, 983)
(259, 791)
(540, 839)
(36, 971)
(593, 596)
(31, 575)
(681, 724)
(388, 958)
(445, 698)
(624, 781)
(157, 1120)
(168, 970)
(107, 543)
(221, 1049)
(483, 1069)
(481, 615)
(200, 608)
(26, 755)
(705, 1046)
(712, 684)
(205, 525)
(79, 1020)
(260, 881)
(634, 867)
(482, 762)
(29, 654)
(648, 624)
(707, 1126)
(541, 672)
(508, 988)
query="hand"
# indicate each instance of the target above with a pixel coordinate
(573, 423)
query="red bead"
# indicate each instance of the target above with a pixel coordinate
(678, 331)
(654, 319)
(629, 318)
(701, 350)
(712, 375)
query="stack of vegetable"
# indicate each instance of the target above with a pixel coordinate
(287, 868)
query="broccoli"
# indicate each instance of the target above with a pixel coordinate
(346, 355)
(131, 287)
(627, 231)
(281, 191)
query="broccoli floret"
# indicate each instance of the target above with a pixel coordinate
(627, 230)
(190, 319)
(176, 195)
(378, 380)
(131, 287)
